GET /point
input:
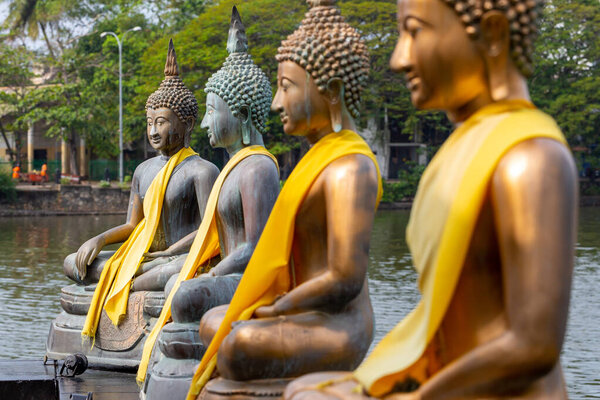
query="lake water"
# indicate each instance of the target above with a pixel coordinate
(32, 250)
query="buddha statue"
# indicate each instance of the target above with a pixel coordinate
(237, 106)
(303, 303)
(168, 197)
(495, 270)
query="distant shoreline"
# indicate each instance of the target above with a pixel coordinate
(61, 206)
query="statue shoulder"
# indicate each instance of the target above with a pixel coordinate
(358, 168)
(201, 169)
(257, 174)
(541, 163)
(258, 163)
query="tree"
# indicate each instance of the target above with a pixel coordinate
(17, 98)
(566, 82)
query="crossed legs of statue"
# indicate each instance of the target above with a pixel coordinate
(291, 345)
(179, 339)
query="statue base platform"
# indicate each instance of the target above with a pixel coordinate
(224, 389)
(116, 348)
(170, 379)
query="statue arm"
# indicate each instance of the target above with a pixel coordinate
(90, 249)
(349, 187)
(258, 191)
(534, 197)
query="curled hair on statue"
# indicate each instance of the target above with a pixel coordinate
(173, 94)
(522, 18)
(241, 83)
(328, 48)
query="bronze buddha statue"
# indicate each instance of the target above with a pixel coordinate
(495, 269)
(237, 106)
(171, 113)
(321, 317)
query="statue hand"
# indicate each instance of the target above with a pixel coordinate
(266, 312)
(87, 253)
(157, 254)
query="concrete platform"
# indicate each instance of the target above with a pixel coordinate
(31, 379)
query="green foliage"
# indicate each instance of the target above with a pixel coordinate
(406, 186)
(566, 82)
(82, 98)
(8, 190)
(103, 184)
(65, 181)
(127, 179)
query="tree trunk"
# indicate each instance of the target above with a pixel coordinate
(11, 154)
(18, 146)
(73, 151)
(43, 29)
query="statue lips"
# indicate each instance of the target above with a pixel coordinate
(284, 118)
(412, 81)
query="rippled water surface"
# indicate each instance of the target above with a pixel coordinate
(32, 250)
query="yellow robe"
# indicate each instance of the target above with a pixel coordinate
(267, 274)
(205, 247)
(112, 291)
(443, 217)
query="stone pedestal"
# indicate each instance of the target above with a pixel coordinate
(115, 348)
(179, 347)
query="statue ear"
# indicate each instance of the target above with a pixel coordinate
(246, 121)
(335, 101)
(189, 128)
(495, 39)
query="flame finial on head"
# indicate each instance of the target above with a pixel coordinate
(172, 92)
(171, 68)
(237, 42)
(240, 82)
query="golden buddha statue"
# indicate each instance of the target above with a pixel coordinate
(493, 225)
(303, 302)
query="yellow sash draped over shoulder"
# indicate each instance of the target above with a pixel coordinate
(443, 217)
(112, 292)
(205, 247)
(267, 274)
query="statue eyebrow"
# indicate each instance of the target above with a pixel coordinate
(411, 17)
(287, 79)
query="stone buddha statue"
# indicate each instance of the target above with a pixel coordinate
(495, 270)
(157, 237)
(303, 303)
(237, 106)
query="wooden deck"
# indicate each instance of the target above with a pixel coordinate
(30, 379)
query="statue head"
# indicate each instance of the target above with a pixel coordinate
(238, 95)
(456, 52)
(323, 67)
(171, 111)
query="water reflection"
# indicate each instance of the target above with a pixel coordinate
(32, 250)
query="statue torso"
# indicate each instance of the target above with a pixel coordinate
(230, 206)
(180, 211)
(310, 246)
